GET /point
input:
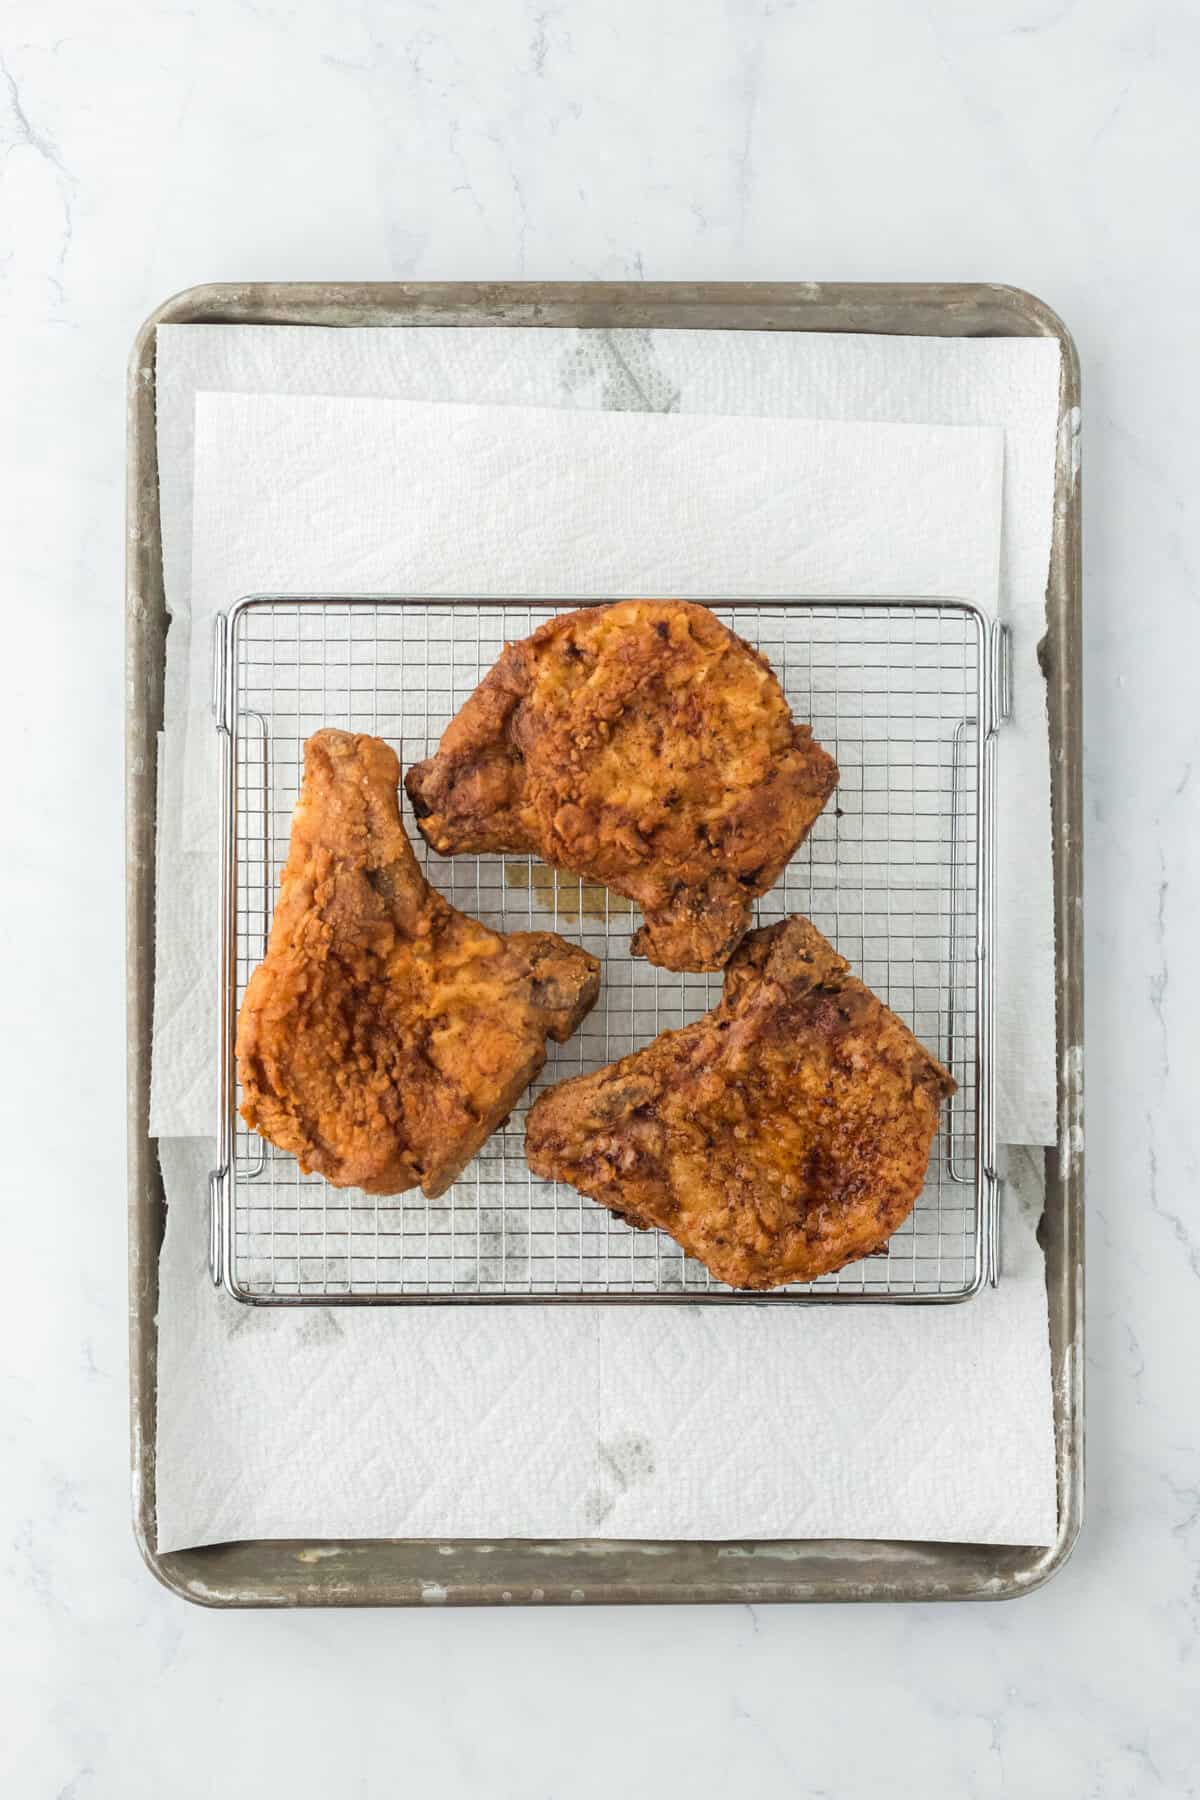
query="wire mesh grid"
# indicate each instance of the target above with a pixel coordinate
(891, 873)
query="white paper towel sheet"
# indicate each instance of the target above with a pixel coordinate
(924, 1423)
(313, 494)
(1005, 383)
(921, 1423)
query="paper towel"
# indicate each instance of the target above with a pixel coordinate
(1007, 383)
(925, 1423)
(315, 494)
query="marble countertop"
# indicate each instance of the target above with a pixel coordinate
(147, 147)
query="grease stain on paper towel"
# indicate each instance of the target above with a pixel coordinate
(626, 1461)
(566, 895)
(624, 366)
(319, 1328)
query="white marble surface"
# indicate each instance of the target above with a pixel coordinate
(146, 147)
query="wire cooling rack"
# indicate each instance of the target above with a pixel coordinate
(906, 694)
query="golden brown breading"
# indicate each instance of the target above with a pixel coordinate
(645, 746)
(386, 1035)
(784, 1134)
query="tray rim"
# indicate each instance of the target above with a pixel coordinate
(468, 1572)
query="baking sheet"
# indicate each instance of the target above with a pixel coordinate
(407, 1572)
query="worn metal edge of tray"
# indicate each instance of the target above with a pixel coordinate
(406, 1572)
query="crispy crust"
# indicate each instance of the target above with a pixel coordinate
(642, 745)
(781, 1136)
(385, 1036)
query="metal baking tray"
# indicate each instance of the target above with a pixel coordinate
(405, 1572)
(906, 693)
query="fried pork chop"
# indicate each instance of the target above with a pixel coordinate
(639, 744)
(781, 1136)
(386, 1035)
